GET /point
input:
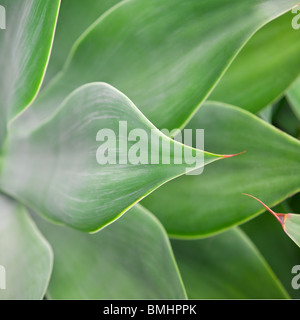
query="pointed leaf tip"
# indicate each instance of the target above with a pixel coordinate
(233, 155)
(269, 209)
(290, 222)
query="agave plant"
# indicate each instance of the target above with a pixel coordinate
(72, 227)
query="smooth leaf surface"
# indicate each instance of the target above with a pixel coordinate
(285, 119)
(264, 69)
(290, 222)
(166, 56)
(280, 252)
(24, 254)
(294, 97)
(294, 203)
(24, 52)
(130, 259)
(75, 16)
(213, 201)
(60, 162)
(226, 266)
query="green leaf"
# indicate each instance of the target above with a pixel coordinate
(25, 256)
(264, 69)
(166, 56)
(285, 119)
(75, 16)
(24, 52)
(130, 259)
(65, 166)
(290, 222)
(293, 96)
(226, 266)
(280, 252)
(213, 201)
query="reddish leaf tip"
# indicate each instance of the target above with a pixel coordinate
(279, 216)
(233, 155)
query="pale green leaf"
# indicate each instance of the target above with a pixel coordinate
(59, 161)
(24, 52)
(75, 16)
(166, 56)
(25, 256)
(130, 259)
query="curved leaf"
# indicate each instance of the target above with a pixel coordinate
(25, 256)
(202, 205)
(280, 252)
(294, 97)
(24, 52)
(75, 16)
(130, 259)
(264, 69)
(285, 119)
(226, 266)
(166, 56)
(71, 178)
(290, 222)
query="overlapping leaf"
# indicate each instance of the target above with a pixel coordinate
(280, 252)
(75, 16)
(166, 56)
(60, 160)
(24, 53)
(285, 118)
(205, 204)
(264, 69)
(290, 222)
(294, 97)
(131, 259)
(25, 256)
(226, 266)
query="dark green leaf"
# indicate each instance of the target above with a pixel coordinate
(226, 266)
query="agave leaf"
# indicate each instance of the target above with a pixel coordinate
(267, 114)
(24, 52)
(25, 256)
(293, 96)
(285, 118)
(226, 266)
(193, 206)
(264, 68)
(130, 259)
(65, 166)
(280, 252)
(290, 222)
(166, 56)
(75, 16)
